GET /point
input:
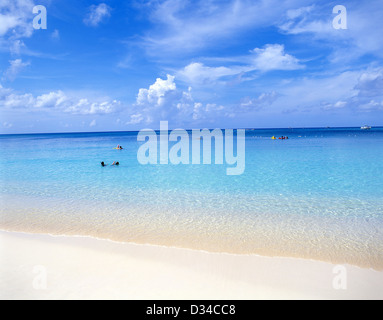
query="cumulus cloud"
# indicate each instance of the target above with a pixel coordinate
(164, 101)
(97, 14)
(274, 57)
(51, 100)
(18, 101)
(161, 101)
(58, 101)
(157, 93)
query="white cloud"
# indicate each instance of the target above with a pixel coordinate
(371, 106)
(370, 83)
(86, 107)
(51, 100)
(156, 94)
(16, 17)
(7, 125)
(136, 119)
(307, 20)
(296, 13)
(364, 28)
(4, 92)
(7, 23)
(198, 73)
(16, 46)
(273, 57)
(309, 91)
(58, 101)
(55, 35)
(265, 99)
(340, 104)
(355, 91)
(97, 14)
(204, 112)
(187, 26)
(163, 101)
(8, 99)
(16, 66)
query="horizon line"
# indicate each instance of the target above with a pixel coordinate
(132, 131)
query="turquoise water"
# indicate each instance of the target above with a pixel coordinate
(318, 195)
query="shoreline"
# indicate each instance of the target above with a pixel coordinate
(79, 237)
(81, 267)
(296, 235)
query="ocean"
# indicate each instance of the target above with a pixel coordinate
(317, 195)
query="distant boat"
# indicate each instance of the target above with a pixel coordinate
(366, 127)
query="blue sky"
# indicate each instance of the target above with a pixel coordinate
(127, 65)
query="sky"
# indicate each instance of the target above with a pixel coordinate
(114, 65)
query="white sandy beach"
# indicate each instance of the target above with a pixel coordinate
(47, 267)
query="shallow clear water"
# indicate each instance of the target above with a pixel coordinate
(318, 195)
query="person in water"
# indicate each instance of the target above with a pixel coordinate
(115, 164)
(103, 164)
(119, 147)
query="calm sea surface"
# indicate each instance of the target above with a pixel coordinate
(317, 195)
